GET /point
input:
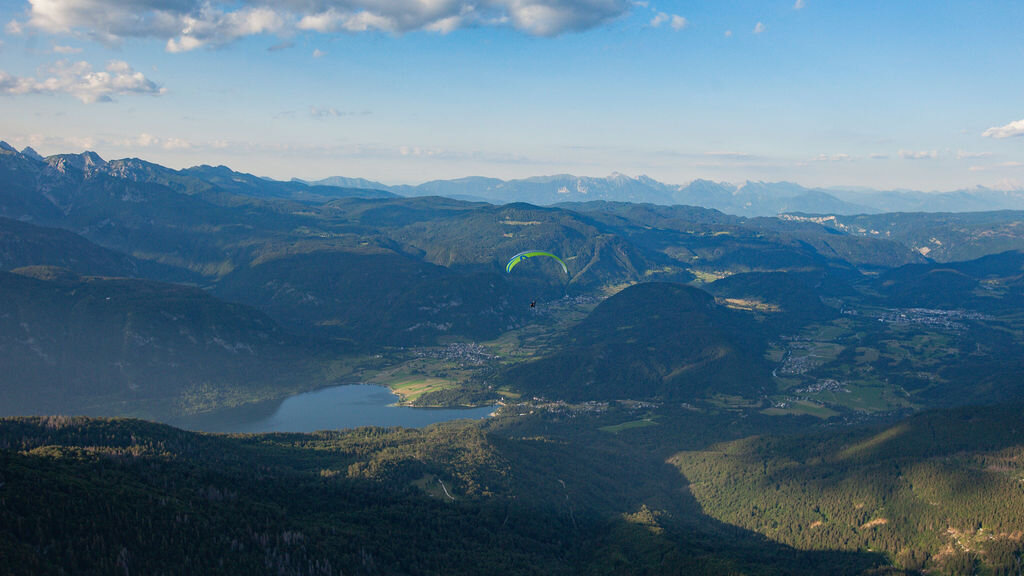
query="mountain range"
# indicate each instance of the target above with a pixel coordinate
(354, 271)
(746, 199)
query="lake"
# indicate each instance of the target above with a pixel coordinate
(333, 408)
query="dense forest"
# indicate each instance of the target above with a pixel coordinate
(939, 491)
(100, 496)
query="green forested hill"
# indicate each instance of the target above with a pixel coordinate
(93, 345)
(490, 235)
(991, 284)
(652, 340)
(23, 244)
(372, 297)
(795, 299)
(940, 490)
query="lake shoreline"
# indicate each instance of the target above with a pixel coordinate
(334, 407)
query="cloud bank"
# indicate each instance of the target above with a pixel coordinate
(1008, 131)
(79, 80)
(189, 24)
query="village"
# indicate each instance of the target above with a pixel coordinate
(930, 317)
(797, 364)
(460, 353)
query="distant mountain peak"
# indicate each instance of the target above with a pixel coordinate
(87, 162)
(29, 152)
(7, 147)
(92, 159)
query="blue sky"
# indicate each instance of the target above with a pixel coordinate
(927, 96)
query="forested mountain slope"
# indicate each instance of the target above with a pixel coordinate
(95, 345)
(95, 496)
(940, 491)
(652, 340)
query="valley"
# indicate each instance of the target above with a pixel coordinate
(699, 393)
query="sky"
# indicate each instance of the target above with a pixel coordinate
(881, 94)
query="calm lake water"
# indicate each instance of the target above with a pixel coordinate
(332, 408)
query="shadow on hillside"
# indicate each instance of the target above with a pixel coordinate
(638, 516)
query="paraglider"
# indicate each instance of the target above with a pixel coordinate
(530, 254)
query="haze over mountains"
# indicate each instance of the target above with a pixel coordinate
(746, 199)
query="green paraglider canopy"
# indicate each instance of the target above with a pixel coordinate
(530, 254)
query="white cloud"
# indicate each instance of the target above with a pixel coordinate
(185, 24)
(1008, 184)
(918, 154)
(188, 24)
(962, 155)
(119, 67)
(553, 17)
(446, 25)
(419, 152)
(122, 143)
(79, 80)
(13, 28)
(146, 140)
(1010, 130)
(758, 28)
(331, 112)
(730, 155)
(676, 21)
(833, 157)
(798, 5)
(176, 144)
(48, 144)
(318, 53)
(183, 44)
(66, 49)
(728, 33)
(1011, 164)
(213, 27)
(335, 21)
(878, 156)
(324, 112)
